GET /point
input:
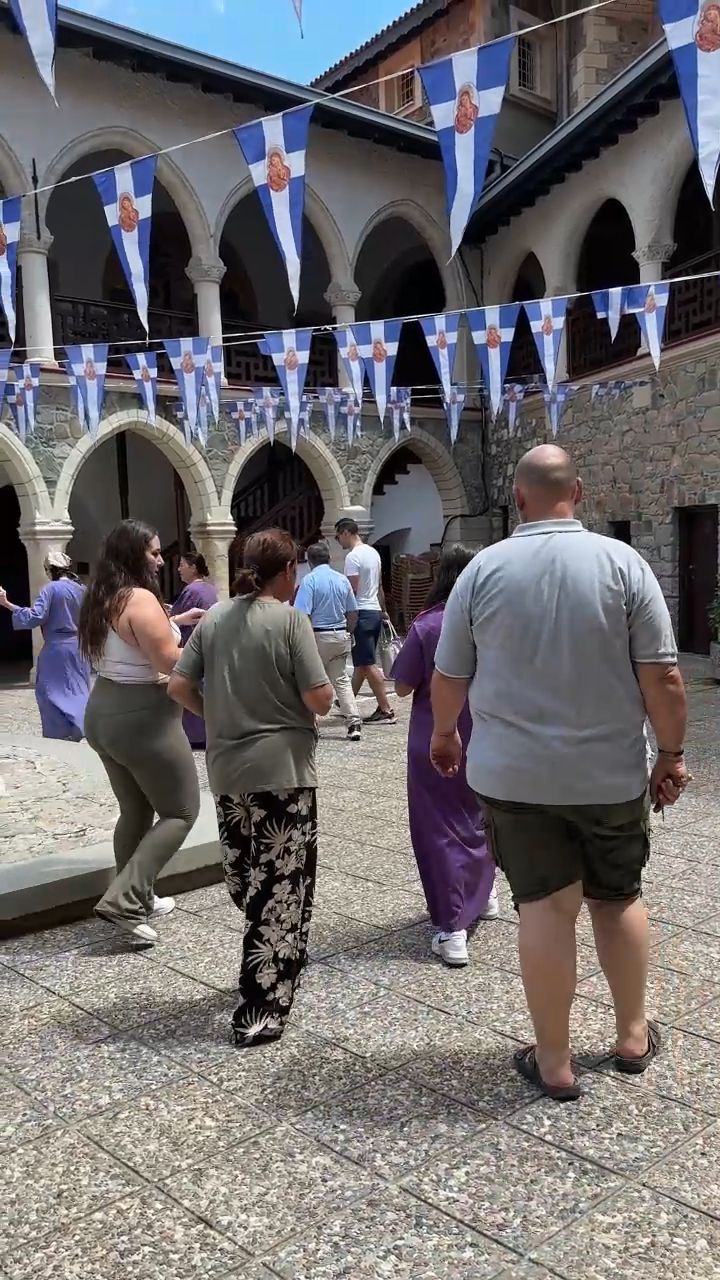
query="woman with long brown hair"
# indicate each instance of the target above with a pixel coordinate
(262, 685)
(132, 723)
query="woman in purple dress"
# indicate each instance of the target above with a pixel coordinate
(447, 826)
(197, 593)
(62, 684)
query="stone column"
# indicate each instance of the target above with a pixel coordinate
(212, 540)
(38, 539)
(206, 274)
(32, 257)
(652, 259)
(343, 298)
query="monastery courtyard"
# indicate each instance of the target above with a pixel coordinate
(387, 1135)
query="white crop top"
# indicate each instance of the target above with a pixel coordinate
(125, 664)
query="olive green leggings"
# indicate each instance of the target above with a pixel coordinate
(137, 731)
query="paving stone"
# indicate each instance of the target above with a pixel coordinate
(692, 1172)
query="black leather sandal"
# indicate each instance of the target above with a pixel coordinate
(636, 1066)
(526, 1064)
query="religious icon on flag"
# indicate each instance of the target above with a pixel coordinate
(187, 357)
(143, 366)
(377, 345)
(37, 20)
(493, 330)
(399, 406)
(9, 236)
(331, 398)
(213, 378)
(453, 405)
(547, 321)
(244, 415)
(441, 335)
(352, 361)
(692, 30)
(649, 303)
(126, 193)
(289, 350)
(268, 404)
(274, 149)
(89, 365)
(465, 93)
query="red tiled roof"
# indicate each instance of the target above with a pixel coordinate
(380, 43)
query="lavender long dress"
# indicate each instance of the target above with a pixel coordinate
(446, 820)
(62, 677)
(200, 594)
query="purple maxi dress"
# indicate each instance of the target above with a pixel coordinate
(200, 594)
(447, 827)
(62, 677)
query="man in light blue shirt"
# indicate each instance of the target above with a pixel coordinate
(327, 598)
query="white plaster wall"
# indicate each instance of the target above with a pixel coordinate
(644, 171)
(409, 514)
(95, 504)
(353, 179)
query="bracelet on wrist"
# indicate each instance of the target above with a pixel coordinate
(674, 755)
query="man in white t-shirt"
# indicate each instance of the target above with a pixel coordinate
(363, 569)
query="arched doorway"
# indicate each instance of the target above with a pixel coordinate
(524, 361)
(91, 297)
(276, 488)
(694, 305)
(254, 294)
(398, 275)
(127, 475)
(606, 261)
(406, 510)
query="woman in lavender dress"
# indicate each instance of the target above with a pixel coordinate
(447, 827)
(62, 684)
(197, 593)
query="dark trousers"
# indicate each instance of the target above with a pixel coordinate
(269, 842)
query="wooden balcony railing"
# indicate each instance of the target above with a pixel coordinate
(79, 320)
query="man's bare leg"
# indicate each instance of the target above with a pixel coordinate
(358, 679)
(622, 939)
(549, 973)
(376, 680)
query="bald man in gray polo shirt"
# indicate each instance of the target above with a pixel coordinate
(562, 642)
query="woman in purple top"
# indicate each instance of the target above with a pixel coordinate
(62, 684)
(197, 593)
(447, 826)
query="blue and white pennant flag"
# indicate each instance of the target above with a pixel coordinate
(187, 357)
(353, 364)
(37, 19)
(649, 303)
(274, 150)
(453, 405)
(213, 379)
(244, 415)
(493, 330)
(76, 401)
(399, 406)
(143, 366)
(126, 193)
(609, 305)
(331, 399)
(465, 93)
(513, 398)
(692, 30)
(377, 342)
(15, 401)
(289, 350)
(351, 412)
(268, 404)
(89, 365)
(5, 357)
(555, 401)
(9, 236)
(201, 428)
(441, 335)
(305, 417)
(547, 321)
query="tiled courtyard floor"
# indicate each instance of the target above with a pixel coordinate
(386, 1136)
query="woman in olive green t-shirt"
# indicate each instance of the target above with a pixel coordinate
(262, 685)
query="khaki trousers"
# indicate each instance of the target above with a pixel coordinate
(334, 648)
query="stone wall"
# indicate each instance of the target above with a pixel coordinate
(603, 43)
(641, 456)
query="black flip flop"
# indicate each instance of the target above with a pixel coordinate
(526, 1064)
(636, 1066)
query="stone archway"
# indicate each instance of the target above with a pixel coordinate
(439, 463)
(317, 457)
(436, 239)
(190, 465)
(24, 475)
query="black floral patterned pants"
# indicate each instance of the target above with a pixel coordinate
(269, 843)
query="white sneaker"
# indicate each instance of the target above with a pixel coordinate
(451, 948)
(139, 932)
(492, 910)
(162, 906)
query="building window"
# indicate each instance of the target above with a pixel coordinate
(527, 59)
(405, 90)
(533, 74)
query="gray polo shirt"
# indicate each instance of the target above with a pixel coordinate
(548, 625)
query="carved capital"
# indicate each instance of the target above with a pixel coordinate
(29, 242)
(342, 295)
(654, 252)
(205, 270)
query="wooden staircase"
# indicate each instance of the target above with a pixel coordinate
(285, 497)
(398, 464)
